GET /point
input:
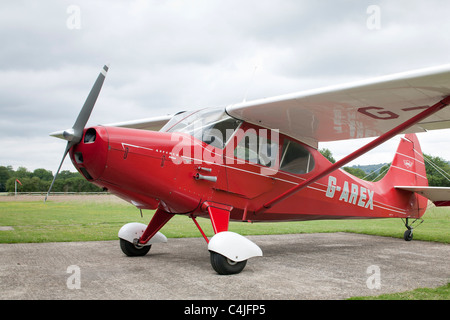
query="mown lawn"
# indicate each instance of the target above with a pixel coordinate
(101, 220)
(440, 293)
(92, 221)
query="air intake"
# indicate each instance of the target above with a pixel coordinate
(90, 135)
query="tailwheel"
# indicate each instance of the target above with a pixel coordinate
(224, 266)
(133, 249)
(408, 235)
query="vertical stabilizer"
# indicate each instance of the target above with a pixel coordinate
(408, 169)
(408, 166)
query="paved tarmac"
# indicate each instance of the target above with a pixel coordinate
(303, 266)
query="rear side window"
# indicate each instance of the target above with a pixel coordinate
(296, 158)
(257, 148)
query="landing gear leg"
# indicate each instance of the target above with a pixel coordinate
(137, 238)
(229, 251)
(408, 235)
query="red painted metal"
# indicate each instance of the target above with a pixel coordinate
(199, 228)
(375, 143)
(160, 218)
(219, 214)
(442, 203)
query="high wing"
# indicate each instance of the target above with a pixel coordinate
(438, 195)
(357, 110)
(153, 124)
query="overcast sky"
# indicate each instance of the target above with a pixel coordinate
(168, 56)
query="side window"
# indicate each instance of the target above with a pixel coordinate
(218, 133)
(257, 149)
(296, 158)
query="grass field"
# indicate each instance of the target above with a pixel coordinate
(440, 293)
(100, 218)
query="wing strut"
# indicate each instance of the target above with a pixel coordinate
(375, 143)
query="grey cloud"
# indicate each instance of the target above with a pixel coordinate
(168, 56)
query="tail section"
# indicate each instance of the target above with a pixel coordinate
(408, 176)
(408, 166)
(408, 170)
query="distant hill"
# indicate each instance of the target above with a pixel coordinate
(437, 168)
(370, 167)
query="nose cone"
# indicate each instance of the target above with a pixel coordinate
(90, 155)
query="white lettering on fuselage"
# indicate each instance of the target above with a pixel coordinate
(350, 193)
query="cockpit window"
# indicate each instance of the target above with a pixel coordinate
(212, 126)
(296, 158)
(179, 119)
(257, 148)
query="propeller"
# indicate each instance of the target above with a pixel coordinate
(74, 135)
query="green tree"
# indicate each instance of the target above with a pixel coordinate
(39, 181)
(377, 175)
(357, 172)
(5, 174)
(327, 154)
(43, 174)
(438, 171)
(23, 172)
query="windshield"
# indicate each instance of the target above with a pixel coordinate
(212, 126)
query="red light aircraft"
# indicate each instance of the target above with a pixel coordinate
(258, 161)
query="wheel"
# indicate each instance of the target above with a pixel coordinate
(408, 235)
(133, 251)
(224, 266)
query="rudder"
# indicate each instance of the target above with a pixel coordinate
(408, 169)
(408, 166)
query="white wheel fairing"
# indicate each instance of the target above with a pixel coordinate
(134, 230)
(234, 246)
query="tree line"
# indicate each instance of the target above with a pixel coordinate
(40, 179)
(438, 170)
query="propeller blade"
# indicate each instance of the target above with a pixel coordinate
(73, 135)
(69, 145)
(85, 112)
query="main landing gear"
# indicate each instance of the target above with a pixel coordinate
(229, 251)
(223, 265)
(129, 236)
(133, 249)
(408, 235)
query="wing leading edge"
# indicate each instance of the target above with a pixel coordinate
(357, 110)
(152, 124)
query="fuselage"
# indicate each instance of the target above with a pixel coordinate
(209, 156)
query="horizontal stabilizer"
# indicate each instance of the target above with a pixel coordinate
(440, 196)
